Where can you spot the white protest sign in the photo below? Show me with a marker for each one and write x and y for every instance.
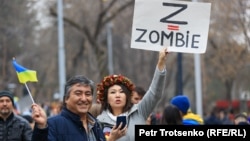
(182, 26)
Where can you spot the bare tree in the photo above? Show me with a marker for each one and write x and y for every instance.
(227, 52)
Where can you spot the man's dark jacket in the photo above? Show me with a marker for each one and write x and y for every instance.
(15, 128)
(66, 126)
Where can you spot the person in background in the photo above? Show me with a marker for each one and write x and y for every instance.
(136, 97)
(16, 106)
(241, 119)
(114, 92)
(151, 120)
(183, 104)
(224, 117)
(213, 118)
(192, 119)
(13, 127)
(137, 94)
(30, 120)
(171, 116)
(95, 109)
(74, 122)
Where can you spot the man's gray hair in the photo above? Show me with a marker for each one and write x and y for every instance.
(74, 80)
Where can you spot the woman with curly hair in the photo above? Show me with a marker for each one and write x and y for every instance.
(114, 92)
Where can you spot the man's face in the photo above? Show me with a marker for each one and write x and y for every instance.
(80, 99)
(135, 97)
(6, 106)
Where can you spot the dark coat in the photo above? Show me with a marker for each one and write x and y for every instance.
(15, 128)
(66, 126)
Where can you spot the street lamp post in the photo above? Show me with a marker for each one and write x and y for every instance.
(61, 54)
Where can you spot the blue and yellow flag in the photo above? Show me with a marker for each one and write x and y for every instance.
(24, 75)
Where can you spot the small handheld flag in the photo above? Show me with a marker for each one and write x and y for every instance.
(24, 75)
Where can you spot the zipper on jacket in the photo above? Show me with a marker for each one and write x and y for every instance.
(5, 132)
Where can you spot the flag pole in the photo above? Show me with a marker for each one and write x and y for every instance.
(29, 93)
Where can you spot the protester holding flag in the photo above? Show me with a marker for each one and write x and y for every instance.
(114, 93)
(12, 126)
(74, 123)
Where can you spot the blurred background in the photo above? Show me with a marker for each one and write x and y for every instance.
(96, 42)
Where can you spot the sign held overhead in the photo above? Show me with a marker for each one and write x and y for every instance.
(183, 26)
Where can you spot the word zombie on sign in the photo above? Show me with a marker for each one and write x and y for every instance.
(181, 25)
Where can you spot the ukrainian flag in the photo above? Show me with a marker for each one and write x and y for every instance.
(24, 75)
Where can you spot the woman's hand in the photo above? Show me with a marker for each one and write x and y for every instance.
(162, 59)
(117, 133)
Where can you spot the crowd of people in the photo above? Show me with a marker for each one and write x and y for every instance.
(80, 117)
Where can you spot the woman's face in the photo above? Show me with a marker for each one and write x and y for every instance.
(116, 97)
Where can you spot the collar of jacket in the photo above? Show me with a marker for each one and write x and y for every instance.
(74, 117)
(8, 118)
